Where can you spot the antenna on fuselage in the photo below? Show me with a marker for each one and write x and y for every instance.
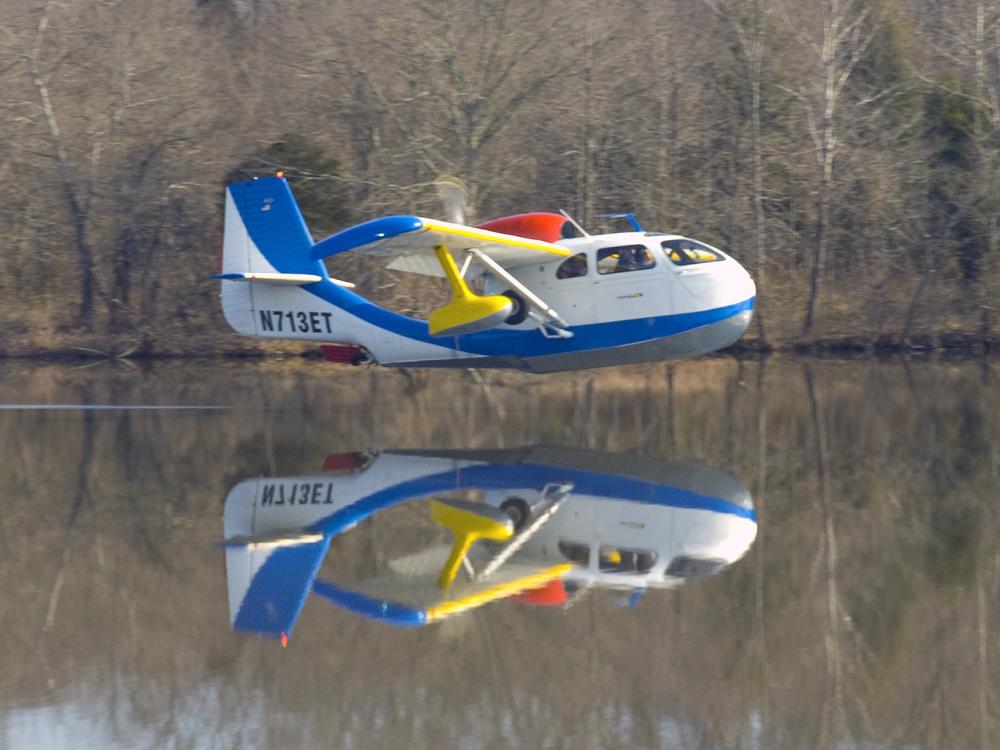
(628, 216)
(573, 221)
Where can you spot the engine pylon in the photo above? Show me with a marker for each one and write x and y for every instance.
(467, 311)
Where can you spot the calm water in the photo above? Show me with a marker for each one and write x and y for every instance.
(854, 601)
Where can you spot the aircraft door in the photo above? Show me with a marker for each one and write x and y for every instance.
(568, 287)
(628, 284)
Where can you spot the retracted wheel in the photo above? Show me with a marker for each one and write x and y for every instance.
(519, 313)
(518, 510)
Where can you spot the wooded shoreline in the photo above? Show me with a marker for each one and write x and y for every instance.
(846, 152)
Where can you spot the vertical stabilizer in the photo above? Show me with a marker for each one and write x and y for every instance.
(264, 233)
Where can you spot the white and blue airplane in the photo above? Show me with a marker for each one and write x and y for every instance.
(555, 521)
(549, 300)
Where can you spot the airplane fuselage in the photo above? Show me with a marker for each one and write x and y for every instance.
(652, 526)
(653, 310)
(639, 296)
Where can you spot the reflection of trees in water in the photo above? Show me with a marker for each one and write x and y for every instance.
(862, 614)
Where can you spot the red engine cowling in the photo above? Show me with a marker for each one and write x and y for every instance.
(534, 226)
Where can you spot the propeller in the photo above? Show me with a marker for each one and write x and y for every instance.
(454, 197)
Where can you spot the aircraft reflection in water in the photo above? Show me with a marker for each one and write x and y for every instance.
(550, 523)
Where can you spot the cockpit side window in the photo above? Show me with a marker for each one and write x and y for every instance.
(689, 252)
(684, 566)
(627, 258)
(573, 267)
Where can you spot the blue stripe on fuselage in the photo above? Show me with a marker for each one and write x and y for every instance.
(528, 343)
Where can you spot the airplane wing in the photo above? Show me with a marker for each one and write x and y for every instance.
(408, 243)
(412, 601)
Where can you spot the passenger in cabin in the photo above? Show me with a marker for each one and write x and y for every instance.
(621, 259)
(634, 258)
(573, 267)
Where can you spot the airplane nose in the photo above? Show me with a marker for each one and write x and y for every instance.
(719, 285)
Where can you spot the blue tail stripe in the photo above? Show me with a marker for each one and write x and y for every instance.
(275, 224)
(272, 602)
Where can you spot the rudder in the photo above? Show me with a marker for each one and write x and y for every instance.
(264, 233)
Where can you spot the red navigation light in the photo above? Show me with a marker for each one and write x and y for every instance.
(284, 640)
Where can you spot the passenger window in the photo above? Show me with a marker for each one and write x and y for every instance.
(618, 560)
(628, 258)
(573, 267)
(689, 252)
(577, 552)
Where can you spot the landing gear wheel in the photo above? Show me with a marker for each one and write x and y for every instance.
(519, 311)
(517, 510)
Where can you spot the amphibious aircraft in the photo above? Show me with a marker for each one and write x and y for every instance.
(544, 525)
(551, 296)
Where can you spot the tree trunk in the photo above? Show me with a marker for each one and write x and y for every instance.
(819, 249)
(758, 183)
(77, 213)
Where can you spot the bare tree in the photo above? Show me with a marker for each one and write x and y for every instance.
(847, 28)
(77, 194)
(749, 23)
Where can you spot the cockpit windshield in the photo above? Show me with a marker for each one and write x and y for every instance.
(683, 252)
(684, 566)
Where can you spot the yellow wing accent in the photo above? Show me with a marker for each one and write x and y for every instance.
(487, 237)
(414, 252)
(500, 591)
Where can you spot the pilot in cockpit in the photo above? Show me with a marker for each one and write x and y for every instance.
(573, 267)
(634, 259)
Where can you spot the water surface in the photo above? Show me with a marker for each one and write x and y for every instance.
(863, 615)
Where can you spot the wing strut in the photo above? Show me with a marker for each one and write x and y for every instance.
(530, 297)
(552, 497)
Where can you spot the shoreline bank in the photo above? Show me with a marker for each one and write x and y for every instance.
(952, 344)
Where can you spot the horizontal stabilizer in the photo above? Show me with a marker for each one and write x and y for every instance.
(290, 538)
(282, 279)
